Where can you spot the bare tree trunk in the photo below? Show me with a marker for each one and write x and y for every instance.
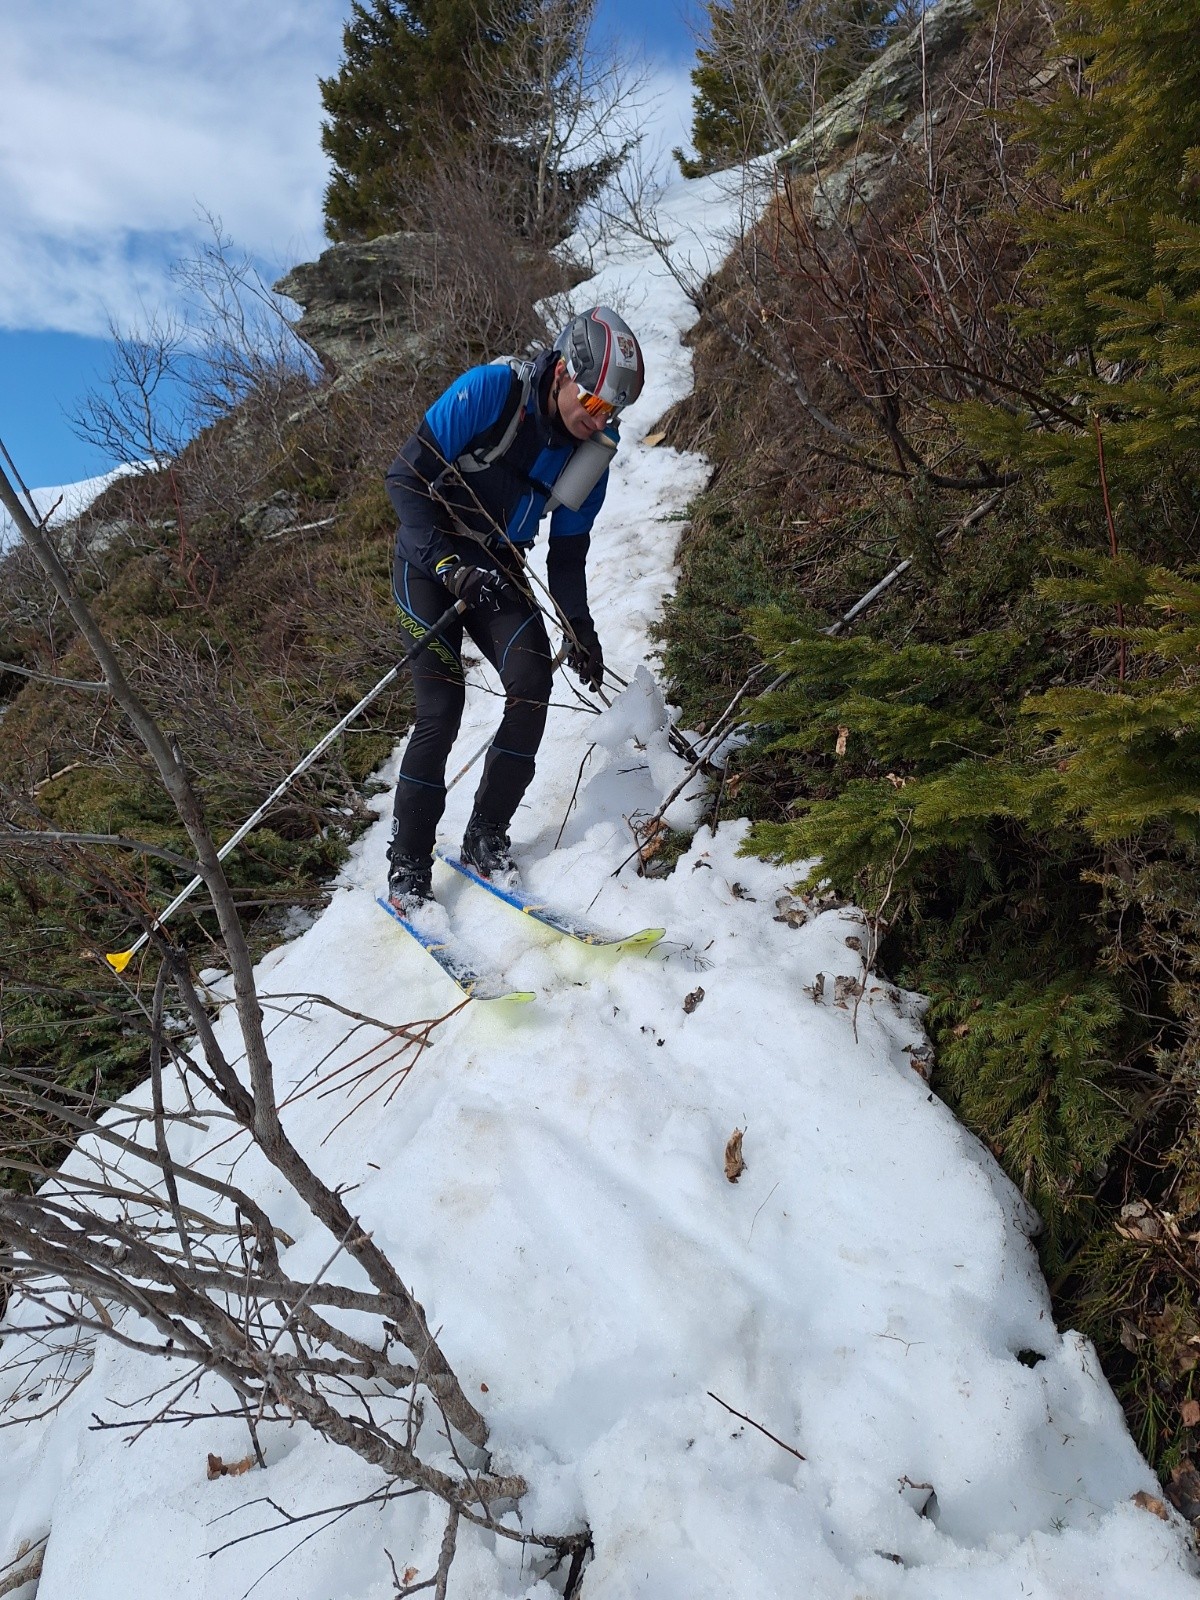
(258, 1109)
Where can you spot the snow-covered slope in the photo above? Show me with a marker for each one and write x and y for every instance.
(550, 1180)
(64, 502)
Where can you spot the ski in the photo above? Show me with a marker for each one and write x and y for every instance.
(475, 985)
(564, 922)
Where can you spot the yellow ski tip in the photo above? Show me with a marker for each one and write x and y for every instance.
(645, 940)
(119, 960)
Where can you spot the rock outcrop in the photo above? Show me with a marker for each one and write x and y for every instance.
(364, 299)
(886, 92)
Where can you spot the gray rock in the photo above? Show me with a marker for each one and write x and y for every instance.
(269, 517)
(100, 537)
(838, 193)
(885, 93)
(365, 299)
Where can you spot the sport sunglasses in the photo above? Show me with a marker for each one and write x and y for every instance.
(595, 406)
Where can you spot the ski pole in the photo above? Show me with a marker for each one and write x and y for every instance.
(118, 960)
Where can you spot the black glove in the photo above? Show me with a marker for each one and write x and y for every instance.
(480, 587)
(584, 655)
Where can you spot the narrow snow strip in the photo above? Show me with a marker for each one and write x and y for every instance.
(550, 1179)
(65, 502)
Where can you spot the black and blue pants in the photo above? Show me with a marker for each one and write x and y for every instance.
(514, 640)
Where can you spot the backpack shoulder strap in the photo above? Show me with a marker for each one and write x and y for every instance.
(490, 445)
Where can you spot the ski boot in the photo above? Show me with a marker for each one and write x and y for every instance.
(410, 883)
(485, 848)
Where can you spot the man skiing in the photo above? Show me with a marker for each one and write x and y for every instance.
(501, 447)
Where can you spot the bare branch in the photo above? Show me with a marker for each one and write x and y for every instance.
(48, 677)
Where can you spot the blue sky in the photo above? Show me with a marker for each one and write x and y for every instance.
(125, 123)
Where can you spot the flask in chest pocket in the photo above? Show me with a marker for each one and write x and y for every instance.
(583, 471)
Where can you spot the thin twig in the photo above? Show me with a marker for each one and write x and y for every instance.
(403, 1590)
(1112, 536)
(48, 677)
(415, 1032)
(160, 1132)
(959, 525)
(44, 836)
(774, 1438)
(571, 804)
(31, 1571)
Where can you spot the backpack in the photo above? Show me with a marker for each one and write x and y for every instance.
(494, 441)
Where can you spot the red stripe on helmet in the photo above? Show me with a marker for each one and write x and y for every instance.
(598, 386)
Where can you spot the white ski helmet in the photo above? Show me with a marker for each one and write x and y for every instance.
(601, 353)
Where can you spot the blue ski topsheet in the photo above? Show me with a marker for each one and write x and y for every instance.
(475, 985)
(565, 922)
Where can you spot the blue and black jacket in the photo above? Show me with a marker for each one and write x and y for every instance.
(498, 505)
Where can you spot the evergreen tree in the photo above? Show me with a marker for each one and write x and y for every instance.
(1117, 273)
(1024, 798)
(404, 85)
(767, 65)
(508, 86)
(1116, 269)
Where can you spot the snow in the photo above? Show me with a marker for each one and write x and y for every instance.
(550, 1180)
(65, 502)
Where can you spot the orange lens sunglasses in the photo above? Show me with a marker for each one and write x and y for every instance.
(595, 406)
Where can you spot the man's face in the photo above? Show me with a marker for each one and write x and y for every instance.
(578, 422)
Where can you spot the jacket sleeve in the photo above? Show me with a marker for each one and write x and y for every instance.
(566, 574)
(468, 407)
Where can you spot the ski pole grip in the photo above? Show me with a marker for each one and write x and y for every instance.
(434, 632)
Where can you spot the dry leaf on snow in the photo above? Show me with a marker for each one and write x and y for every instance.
(791, 911)
(845, 989)
(691, 1001)
(734, 1165)
(228, 1469)
(651, 837)
(920, 1059)
(1149, 1503)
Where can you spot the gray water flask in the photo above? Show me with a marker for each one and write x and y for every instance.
(583, 470)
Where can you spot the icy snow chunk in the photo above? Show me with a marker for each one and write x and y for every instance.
(635, 716)
(216, 985)
(639, 768)
(297, 920)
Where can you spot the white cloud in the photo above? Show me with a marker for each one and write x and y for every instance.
(121, 122)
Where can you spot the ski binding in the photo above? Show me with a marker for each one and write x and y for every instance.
(475, 985)
(565, 922)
